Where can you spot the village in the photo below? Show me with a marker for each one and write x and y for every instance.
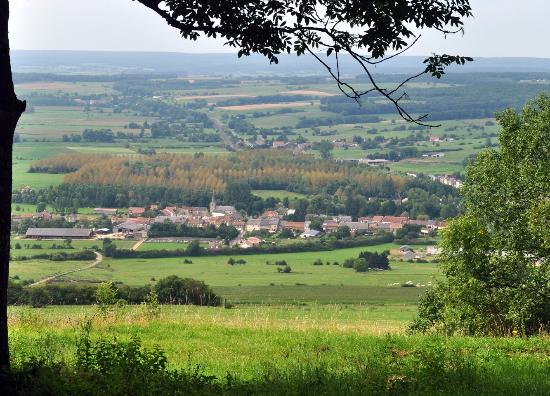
(143, 224)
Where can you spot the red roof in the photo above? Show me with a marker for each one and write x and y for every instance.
(136, 211)
(295, 225)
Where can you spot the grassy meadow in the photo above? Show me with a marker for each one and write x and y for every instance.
(296, 350)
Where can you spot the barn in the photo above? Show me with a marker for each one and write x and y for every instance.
(59, 233)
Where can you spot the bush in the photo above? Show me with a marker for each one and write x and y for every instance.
(285, 270)
(176, 290)
(360, 265)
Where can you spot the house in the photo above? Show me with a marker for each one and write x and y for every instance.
(106, 211)
(432, 250)
(429, 224)
(294, 225)
(168, 211)
(195, 222)
(238, 224)
(270, 224)
(356, 227)
(250, 242)
(44, 215)
(330, 226)
(278, 143)
(134, 211)
(434, 138)
(405, 248)
(253, 225)
(310, 234)
(171, 219)
(270, 213)
(59, 233)
(21, 217)
(341, 219)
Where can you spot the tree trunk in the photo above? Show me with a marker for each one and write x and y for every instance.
(10, 110)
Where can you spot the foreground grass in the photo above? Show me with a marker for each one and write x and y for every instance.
(295, 350)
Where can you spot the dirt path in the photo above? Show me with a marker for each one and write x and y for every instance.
(138, 244)
(98, 259)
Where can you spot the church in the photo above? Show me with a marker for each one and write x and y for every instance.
(219, 210)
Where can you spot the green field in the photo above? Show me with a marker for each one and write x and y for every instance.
(297, 350)
(257, 282)
(281, 194)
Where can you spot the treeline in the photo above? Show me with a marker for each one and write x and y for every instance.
(60, 256)
(194, 250)
(68, 197)
(65, 164)
(465, 101)
(144, 87)
(169, 290)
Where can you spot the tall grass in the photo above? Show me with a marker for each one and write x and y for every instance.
(287, 350)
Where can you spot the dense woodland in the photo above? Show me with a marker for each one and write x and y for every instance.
(332, 187)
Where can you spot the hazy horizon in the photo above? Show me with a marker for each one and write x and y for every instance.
(83, 26)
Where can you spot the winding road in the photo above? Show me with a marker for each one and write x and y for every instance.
(98, 259)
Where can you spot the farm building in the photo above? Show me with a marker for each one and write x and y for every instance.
(130, 228)
(59, 233)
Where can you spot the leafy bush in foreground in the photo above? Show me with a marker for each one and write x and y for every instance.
(495, 257)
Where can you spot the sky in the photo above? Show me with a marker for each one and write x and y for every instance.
(500, 28)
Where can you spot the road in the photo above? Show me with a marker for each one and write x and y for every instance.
(98, 259)
(224, 135)
(138, 244)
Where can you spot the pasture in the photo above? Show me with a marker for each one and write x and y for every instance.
(258, 281)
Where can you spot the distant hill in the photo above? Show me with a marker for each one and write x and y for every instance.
(224, 64)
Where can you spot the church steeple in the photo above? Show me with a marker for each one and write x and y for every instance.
(213, 202)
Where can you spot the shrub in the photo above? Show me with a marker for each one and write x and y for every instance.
(360, 265)
(106, 296)
(176, 290)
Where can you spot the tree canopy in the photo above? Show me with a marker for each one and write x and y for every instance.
(496, 257)
(370, 32)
